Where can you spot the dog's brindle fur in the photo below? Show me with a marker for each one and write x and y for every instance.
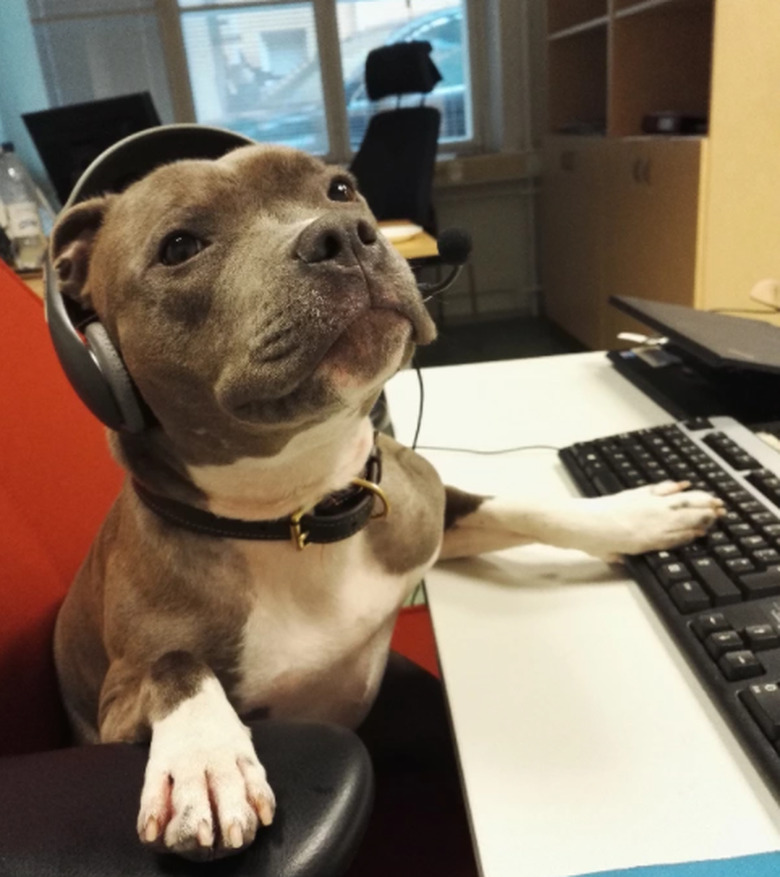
(260, 340)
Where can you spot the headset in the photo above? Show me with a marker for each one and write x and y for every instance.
(88, 357)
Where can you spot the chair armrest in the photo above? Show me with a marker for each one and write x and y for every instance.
(74, 811)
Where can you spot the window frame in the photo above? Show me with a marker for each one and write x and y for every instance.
(329, 48)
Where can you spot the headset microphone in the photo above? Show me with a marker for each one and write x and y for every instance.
(454, 248)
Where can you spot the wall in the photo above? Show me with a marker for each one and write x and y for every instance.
(22, 88)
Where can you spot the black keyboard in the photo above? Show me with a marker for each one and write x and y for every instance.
(719, 596)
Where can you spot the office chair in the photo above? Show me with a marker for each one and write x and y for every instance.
(395, 162)
(73, 810)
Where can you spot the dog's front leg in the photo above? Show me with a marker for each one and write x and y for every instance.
(646, 518)
(205, 792)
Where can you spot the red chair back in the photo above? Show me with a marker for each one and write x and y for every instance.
(57, 481)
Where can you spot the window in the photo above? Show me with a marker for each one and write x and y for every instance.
(256, 70)
(91, 49)
(366, 24)
(284, 72)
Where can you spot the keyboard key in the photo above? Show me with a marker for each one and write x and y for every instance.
(761, 518)
(738, 531)
(670, 573)
(763, 703)
(695, 424)
(715, 581)
(761, 584)
(736, 495)
(727, 551)
(659, 558)
(722, 641)
(711, 622)
(761, 636)
(752, 543)
(730, 451)
(766, 556)
(607, 482)
(739, 566)
(694, 549)
(767, 483)
(752, 507)
(740, 665)
(689, 597)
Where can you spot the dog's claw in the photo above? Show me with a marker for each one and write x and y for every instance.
(264, 810)
(235, 837)
(151, 830)
(205, 834)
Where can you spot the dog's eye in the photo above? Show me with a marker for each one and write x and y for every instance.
(341, 190)
(178, 247)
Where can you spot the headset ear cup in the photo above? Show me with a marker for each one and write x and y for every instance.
(116, 378)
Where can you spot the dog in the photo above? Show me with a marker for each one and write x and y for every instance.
(259, 311)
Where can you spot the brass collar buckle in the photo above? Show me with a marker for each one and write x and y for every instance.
(297, 534)
(377, 491)
(300, 537)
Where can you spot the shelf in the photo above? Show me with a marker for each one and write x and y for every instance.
(565, 14)
(577, 92)
(627, 8)
(611, 63)
(661, 62)
(577, 29)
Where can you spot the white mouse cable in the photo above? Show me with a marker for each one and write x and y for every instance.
(495, 452)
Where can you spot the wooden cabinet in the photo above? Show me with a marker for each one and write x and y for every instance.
(619, 217)
(692, 220)
(652, 193)
(573, 190)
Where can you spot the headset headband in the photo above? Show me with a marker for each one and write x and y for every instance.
(95, 368)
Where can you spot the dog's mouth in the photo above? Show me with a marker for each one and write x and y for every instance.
(299, 387)
(372, 344)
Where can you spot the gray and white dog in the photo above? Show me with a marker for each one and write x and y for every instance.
(259, 311)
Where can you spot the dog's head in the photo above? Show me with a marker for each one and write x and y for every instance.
(248, 295)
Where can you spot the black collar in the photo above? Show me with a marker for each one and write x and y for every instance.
(338, 516)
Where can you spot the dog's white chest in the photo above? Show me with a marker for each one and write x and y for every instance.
(316, 638)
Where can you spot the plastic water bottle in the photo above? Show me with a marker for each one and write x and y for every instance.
(20, 212)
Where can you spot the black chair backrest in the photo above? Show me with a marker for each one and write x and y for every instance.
(395, 163)
(401, 68)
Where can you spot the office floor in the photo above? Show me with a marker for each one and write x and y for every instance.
(505, 338)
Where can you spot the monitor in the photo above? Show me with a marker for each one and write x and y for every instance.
(69, 138)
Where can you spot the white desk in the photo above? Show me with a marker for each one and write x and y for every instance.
(585, 741)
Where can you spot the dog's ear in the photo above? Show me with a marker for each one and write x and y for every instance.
(72, 241)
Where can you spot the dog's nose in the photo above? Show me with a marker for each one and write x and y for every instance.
(342, 240)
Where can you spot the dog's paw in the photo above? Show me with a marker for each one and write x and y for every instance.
(654, 517)
(205, 792)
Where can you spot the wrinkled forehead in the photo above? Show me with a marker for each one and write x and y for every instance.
(268, 178)
(274, 168)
